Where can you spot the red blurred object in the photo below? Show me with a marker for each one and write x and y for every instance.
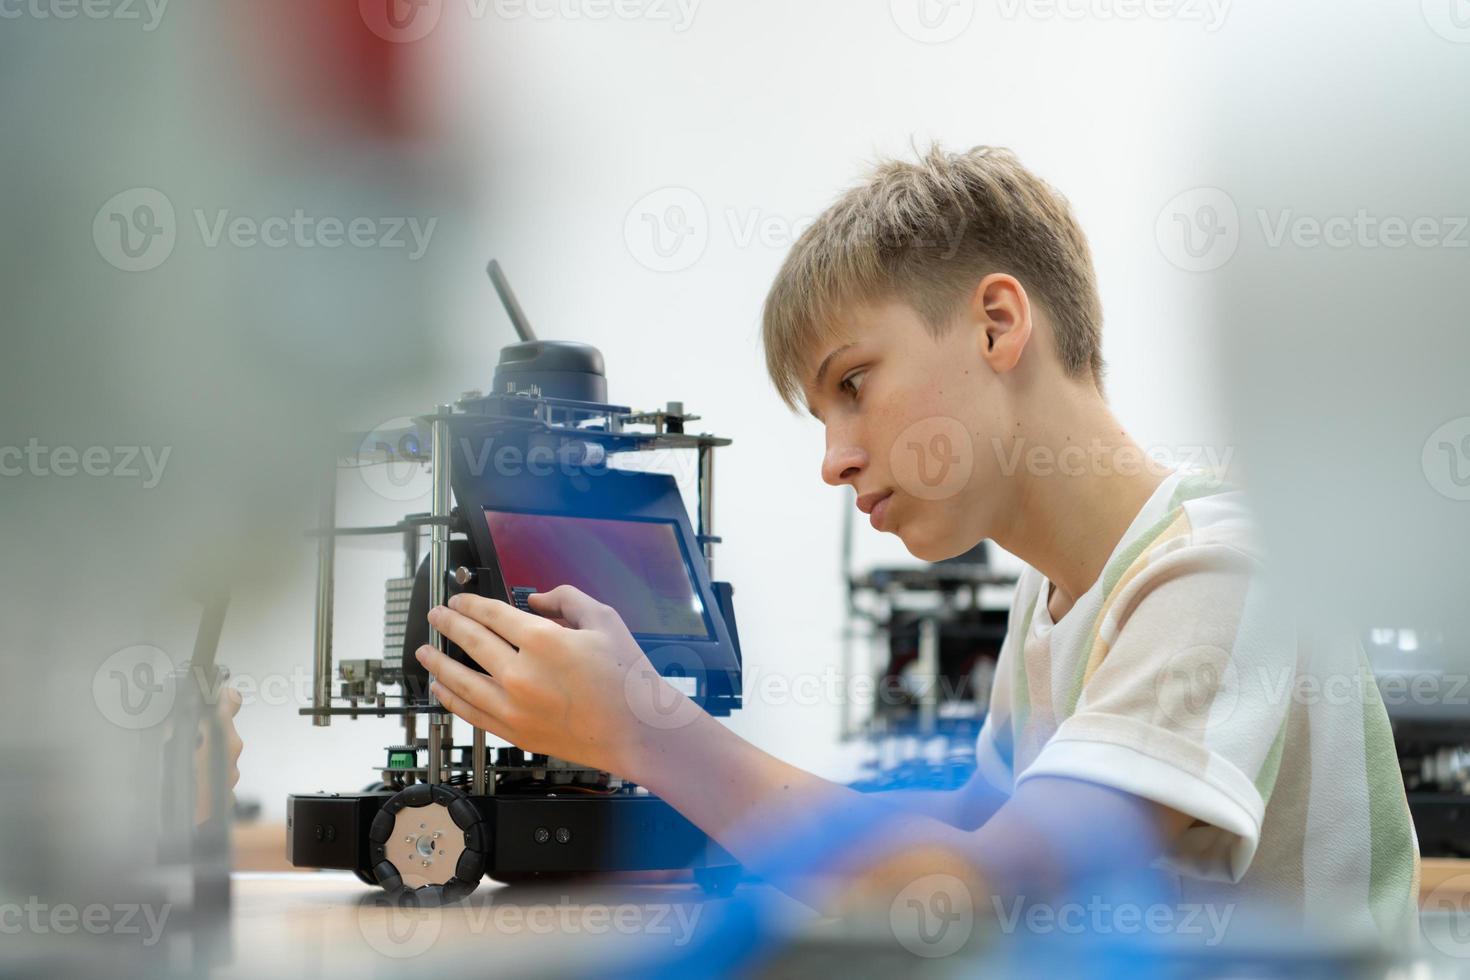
(325, 63)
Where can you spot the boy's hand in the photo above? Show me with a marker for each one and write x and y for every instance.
(574, 691)
(226, 707)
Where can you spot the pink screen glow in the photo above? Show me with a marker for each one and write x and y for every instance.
(636, 567)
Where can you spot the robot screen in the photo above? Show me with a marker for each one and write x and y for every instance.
(636, 566)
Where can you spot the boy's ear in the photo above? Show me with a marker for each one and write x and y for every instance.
(1001, 313)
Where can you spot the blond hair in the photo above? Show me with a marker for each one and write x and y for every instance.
(926, 233)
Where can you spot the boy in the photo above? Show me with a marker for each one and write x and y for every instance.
(1152, 708)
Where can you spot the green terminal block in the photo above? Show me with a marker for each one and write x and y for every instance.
(402, 760)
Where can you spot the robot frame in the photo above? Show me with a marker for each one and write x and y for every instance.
(443, 815)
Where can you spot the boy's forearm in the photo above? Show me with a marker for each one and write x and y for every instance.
(949, 806)
(753, 804)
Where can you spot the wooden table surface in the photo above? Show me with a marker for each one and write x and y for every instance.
(262, 847)
(290, 923)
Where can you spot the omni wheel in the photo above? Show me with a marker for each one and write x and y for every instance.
(428, 841)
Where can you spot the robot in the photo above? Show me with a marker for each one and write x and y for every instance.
(533, 485)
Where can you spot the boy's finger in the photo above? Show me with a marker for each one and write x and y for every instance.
(472, 686)
(501, 618)
(579, 609)
(461, 707)
(486, 646)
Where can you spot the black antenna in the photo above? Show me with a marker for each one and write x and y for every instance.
(508, 300)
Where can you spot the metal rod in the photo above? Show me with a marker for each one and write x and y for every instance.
(410, 569)
(411, 737)
(509, 301)
(436, 752)
(326, 554)
(928, 672)
(477, 759)
(707, 504)
(410, 551)
(439, 463)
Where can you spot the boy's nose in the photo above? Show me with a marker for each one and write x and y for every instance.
(842, 464)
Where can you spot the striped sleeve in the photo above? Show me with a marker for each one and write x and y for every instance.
(1184, 700)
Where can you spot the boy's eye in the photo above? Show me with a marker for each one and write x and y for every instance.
(853, 382)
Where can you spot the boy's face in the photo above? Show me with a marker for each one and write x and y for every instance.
(909, 421)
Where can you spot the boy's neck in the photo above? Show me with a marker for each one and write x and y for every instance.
(1066, 525)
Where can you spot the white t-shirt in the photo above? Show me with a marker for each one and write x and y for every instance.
(1175, 679)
